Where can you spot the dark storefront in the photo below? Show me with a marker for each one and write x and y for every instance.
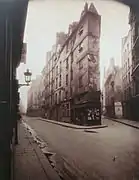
(87, 113)
(135, 108)
(127, 109)
(86, 108)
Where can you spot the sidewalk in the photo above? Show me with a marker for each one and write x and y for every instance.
(127, 122)
(73, 126)
(30, 162)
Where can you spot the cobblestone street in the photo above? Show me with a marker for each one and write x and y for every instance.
(107, 153)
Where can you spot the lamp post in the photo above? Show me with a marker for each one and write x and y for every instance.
(27, 75)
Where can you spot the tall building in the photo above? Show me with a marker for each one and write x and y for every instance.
(72, 78)
(113, 91)
(127, 75)
(134, 23)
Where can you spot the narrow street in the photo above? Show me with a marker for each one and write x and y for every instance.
(107, 153)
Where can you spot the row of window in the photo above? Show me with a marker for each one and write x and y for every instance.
(80, 49)
(67, 80)
(72, 41)
(67, 67)
(66, 93)
(58, 96)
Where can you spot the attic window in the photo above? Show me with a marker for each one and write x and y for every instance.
(81, 30)
(80, 48)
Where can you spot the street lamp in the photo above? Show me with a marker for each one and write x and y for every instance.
(27, 75)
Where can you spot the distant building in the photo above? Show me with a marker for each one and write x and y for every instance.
(35, 97)
(113, 91)
(72, 74)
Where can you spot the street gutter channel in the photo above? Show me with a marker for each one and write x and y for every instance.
(44, 148)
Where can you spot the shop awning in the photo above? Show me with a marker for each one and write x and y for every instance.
(87, 105)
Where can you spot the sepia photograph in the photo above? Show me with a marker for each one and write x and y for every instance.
(69, 90)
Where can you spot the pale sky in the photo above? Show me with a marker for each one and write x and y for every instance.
(46, 17)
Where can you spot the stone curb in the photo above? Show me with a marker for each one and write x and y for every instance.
(73, 127)
(49, 171)
(134, 126)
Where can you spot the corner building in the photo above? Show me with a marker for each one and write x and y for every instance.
(72, 78)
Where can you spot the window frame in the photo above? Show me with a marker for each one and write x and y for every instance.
(80, 30)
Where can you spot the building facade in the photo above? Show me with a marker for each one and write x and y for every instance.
(113, 91)
(134, 24)
(127, 76)
(72, 75)
(35, 97)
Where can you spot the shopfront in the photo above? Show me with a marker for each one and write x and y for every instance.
(87, 113)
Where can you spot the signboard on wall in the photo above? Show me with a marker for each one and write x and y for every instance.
(24, 53)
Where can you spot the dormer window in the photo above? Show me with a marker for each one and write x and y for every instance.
(80, 47)
(81, 30)
(91, 58)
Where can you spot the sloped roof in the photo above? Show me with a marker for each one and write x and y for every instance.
(92, 8)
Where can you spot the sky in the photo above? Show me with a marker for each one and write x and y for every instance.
(46, 17)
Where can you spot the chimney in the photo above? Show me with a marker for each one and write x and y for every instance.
(60, 38)
(48, 56)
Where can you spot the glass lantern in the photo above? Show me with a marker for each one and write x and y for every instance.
(27, 75)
